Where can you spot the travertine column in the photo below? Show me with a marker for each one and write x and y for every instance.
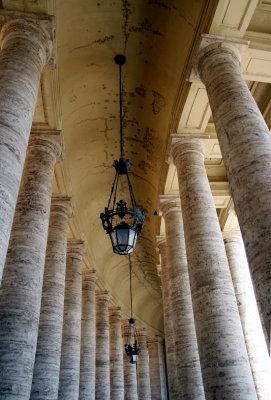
(47, 361)
(245, 143)
(116, 356)
(26, 47)
(143, 369)
(224, 362)
(70, 351)
(162, 364)
(154, 363)
(168, 319)
(102, 385)
(240, 277)
(88, 337)
(129, 370)
(21, 291)
(189, 380)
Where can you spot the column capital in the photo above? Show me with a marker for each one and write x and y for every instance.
(89, 279)
(36, 27)
(76, 247)
(62, 205)
(115, 313)
(152, 339)
(102, 295)
(160, 339)
(51, 138)
(168, 203)
(235, 47)
(181, 143)
(161, 244)
(232, 236)
(90, 276)
(142, 332)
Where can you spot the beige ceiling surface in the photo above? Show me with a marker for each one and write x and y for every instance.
(156, 38)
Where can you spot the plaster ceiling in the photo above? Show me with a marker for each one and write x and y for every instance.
(156, 38)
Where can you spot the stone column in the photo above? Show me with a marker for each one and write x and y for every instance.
(116, 356)
(154, 363)
(240, 277)
(143, 369)
(20, 295)
(88, 337)
(26, 47)
(245, 143)
(168, 319)
(102, 386)
(189, 380)
(162, 363)
(70, 351)
(224, 362)
(129, 370)
(47, 361)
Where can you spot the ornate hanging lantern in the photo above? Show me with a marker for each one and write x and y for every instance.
(132, 346)
(122, 223)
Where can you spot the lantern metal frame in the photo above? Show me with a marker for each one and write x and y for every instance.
(125, 228)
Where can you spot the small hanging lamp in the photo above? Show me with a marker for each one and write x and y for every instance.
(122, 223)
(132, 346)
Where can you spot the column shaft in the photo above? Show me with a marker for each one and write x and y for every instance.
(47, 361)
(70, 351)
(102, 386)
(143, 369)
(116, 356)
(168, 321)
(189, 380)
(245, 143)
(225, 368)
(26, 46)
(163, 379)
(88, 337)
(251, 326)
(129, 370)
(20, 295)
(154, 363)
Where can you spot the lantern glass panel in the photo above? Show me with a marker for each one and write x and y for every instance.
(134, 358)
(123, 239)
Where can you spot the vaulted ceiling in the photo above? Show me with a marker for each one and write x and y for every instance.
(80, 97)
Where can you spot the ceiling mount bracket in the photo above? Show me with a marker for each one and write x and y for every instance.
(120, 59)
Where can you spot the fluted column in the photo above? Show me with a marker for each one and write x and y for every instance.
(116, 356)
(26, 47)
(20, 295)
(245, 143)
(143, 369)
(70, 351)
(252, 330)
(154, 363)
(189, 380)
(168, 319)
(88, 337)
(102, 385)
(224, 362)
(162, 361)
(129, 370)
(47, 361)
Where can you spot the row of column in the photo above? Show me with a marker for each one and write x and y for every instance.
(48, 325)
(204, 323)
(194, 242)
